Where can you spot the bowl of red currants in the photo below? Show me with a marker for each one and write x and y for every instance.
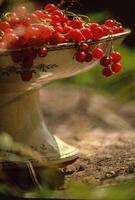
(57, 42)
(44, 45)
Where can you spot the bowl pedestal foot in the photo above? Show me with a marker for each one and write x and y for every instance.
(21, 117)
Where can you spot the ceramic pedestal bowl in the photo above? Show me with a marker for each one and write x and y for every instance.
(20, 114)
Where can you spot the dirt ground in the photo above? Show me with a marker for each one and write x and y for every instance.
(102, 129)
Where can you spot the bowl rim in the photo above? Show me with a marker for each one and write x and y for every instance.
(70, 45)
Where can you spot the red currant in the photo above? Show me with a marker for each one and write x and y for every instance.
(97, 53)
(97, 32)
(105, 61)
(75, 35)
(116, 67)
(4, 25)
(88, 57)
(107, 72)
(106, 30)
(80, 56)
(93, 26)
(87, 33)
(55, 19)
(84, 47)
(26, 75)
(116, 57)
(42, 52)
(76, 24)
(110, 23)
(50, 8)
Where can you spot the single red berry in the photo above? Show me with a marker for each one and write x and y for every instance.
(44, 34)
(105, 61)
(106, 30)
(84, 47)
(9, 30)
(110, 23)
(97, 53)
(42, 52)
(93, 26)
(116, 67)
(116, 57)
(13, 20)
(76, 24)
(11, 40)
(57, 12)
(75, 35)
(80, 56)
(60, 38)
(59, 28)
(97, 32)
(115, 29)
(55, 19)
(50, 8)
(121, 29)
(88, 57)
(107, 72)
(87, 33)
(4, 25)
(26, 75)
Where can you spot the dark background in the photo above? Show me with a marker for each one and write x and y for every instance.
(123, 11)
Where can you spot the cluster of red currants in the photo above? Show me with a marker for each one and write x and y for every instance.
(111, 64)
(23, 30)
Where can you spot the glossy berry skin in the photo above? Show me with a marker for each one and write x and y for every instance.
(84, 47)
(26, 75)
(116, 57)
(97, 32)
(106, 30)
(42, 52)
(80, 56)
(97, 53)
(88, 57)
(4, 25)
(107, 72)
(50, 8)
(76, 24)
(110, 23)
(93, 26)
(105, 61)
(87, 33)
(75, 35)
(116, 68)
